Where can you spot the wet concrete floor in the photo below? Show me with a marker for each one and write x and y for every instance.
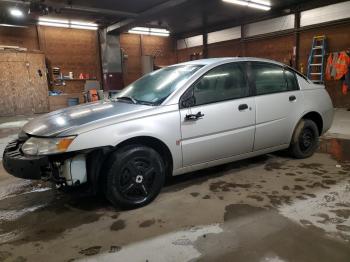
(269, 208)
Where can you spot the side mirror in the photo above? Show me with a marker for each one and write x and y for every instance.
(188, 99)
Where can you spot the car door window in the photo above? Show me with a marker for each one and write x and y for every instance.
(224, 82)
(291, 80)
(268, 78)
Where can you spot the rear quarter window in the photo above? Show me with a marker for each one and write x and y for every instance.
(291, 79)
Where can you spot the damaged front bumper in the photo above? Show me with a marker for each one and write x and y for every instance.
(19, 165)
(64, 169)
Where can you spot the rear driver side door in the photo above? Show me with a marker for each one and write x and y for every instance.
(223, 116)
(279, 104)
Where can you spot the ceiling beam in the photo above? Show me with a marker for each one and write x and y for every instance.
(78, 8)
(128, 23)
(99, 11)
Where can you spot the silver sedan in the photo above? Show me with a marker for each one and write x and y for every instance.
(178, 119)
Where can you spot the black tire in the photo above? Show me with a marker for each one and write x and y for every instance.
(135, 174)
(305, 139)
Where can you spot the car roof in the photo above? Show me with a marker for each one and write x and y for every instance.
(210, 61)
(222, 60)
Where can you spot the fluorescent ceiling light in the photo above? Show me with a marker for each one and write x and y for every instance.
(145, 29)
(8, 25)
(149, 31)
(83, 23)
(159, 34)
(16, 12)
(262, 2)
(67, 23)
(53, 24)
(138, 32)
(84, 27)
(159, 30)
(259, 4)
(50, 20)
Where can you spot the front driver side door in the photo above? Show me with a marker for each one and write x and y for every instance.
(221, 122)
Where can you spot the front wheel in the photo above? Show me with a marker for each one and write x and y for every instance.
(305, 139)
(135, 176)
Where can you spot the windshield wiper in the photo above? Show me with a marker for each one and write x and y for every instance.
(145, 103)
(134, 101)
(127, 98)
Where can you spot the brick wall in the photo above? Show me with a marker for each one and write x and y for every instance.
(70, 49)
(134, 46)
(17, 36)
(338, 39)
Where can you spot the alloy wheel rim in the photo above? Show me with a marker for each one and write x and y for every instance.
(306, 140)
(137, 179)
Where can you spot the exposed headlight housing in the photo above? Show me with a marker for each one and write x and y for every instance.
(46, 146)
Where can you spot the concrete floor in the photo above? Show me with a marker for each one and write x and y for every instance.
(269, 208)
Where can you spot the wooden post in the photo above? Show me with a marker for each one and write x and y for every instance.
(297, 39)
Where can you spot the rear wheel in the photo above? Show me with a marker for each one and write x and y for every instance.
(135, 176)
(305, 139)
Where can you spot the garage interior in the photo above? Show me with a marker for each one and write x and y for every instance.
(55, 54)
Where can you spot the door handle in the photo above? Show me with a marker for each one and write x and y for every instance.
(292, 98)
(242, 107)
(194, 117)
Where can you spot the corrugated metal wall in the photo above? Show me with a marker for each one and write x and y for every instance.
(325, 14)
(224, 35)
(190, 42)
(269, 26)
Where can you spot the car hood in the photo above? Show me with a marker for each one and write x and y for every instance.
(70, 120)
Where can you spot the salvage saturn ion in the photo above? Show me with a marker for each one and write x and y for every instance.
(177, 119)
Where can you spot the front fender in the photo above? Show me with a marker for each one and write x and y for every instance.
(164, 127)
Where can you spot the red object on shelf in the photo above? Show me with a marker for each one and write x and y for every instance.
(87, 76)
(81, 76)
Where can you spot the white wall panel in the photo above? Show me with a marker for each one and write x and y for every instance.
(190, 42)
(269, 26)
(325, 14)
(224, 35)
(181, 44)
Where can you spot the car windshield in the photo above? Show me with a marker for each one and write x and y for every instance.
(155, 87)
